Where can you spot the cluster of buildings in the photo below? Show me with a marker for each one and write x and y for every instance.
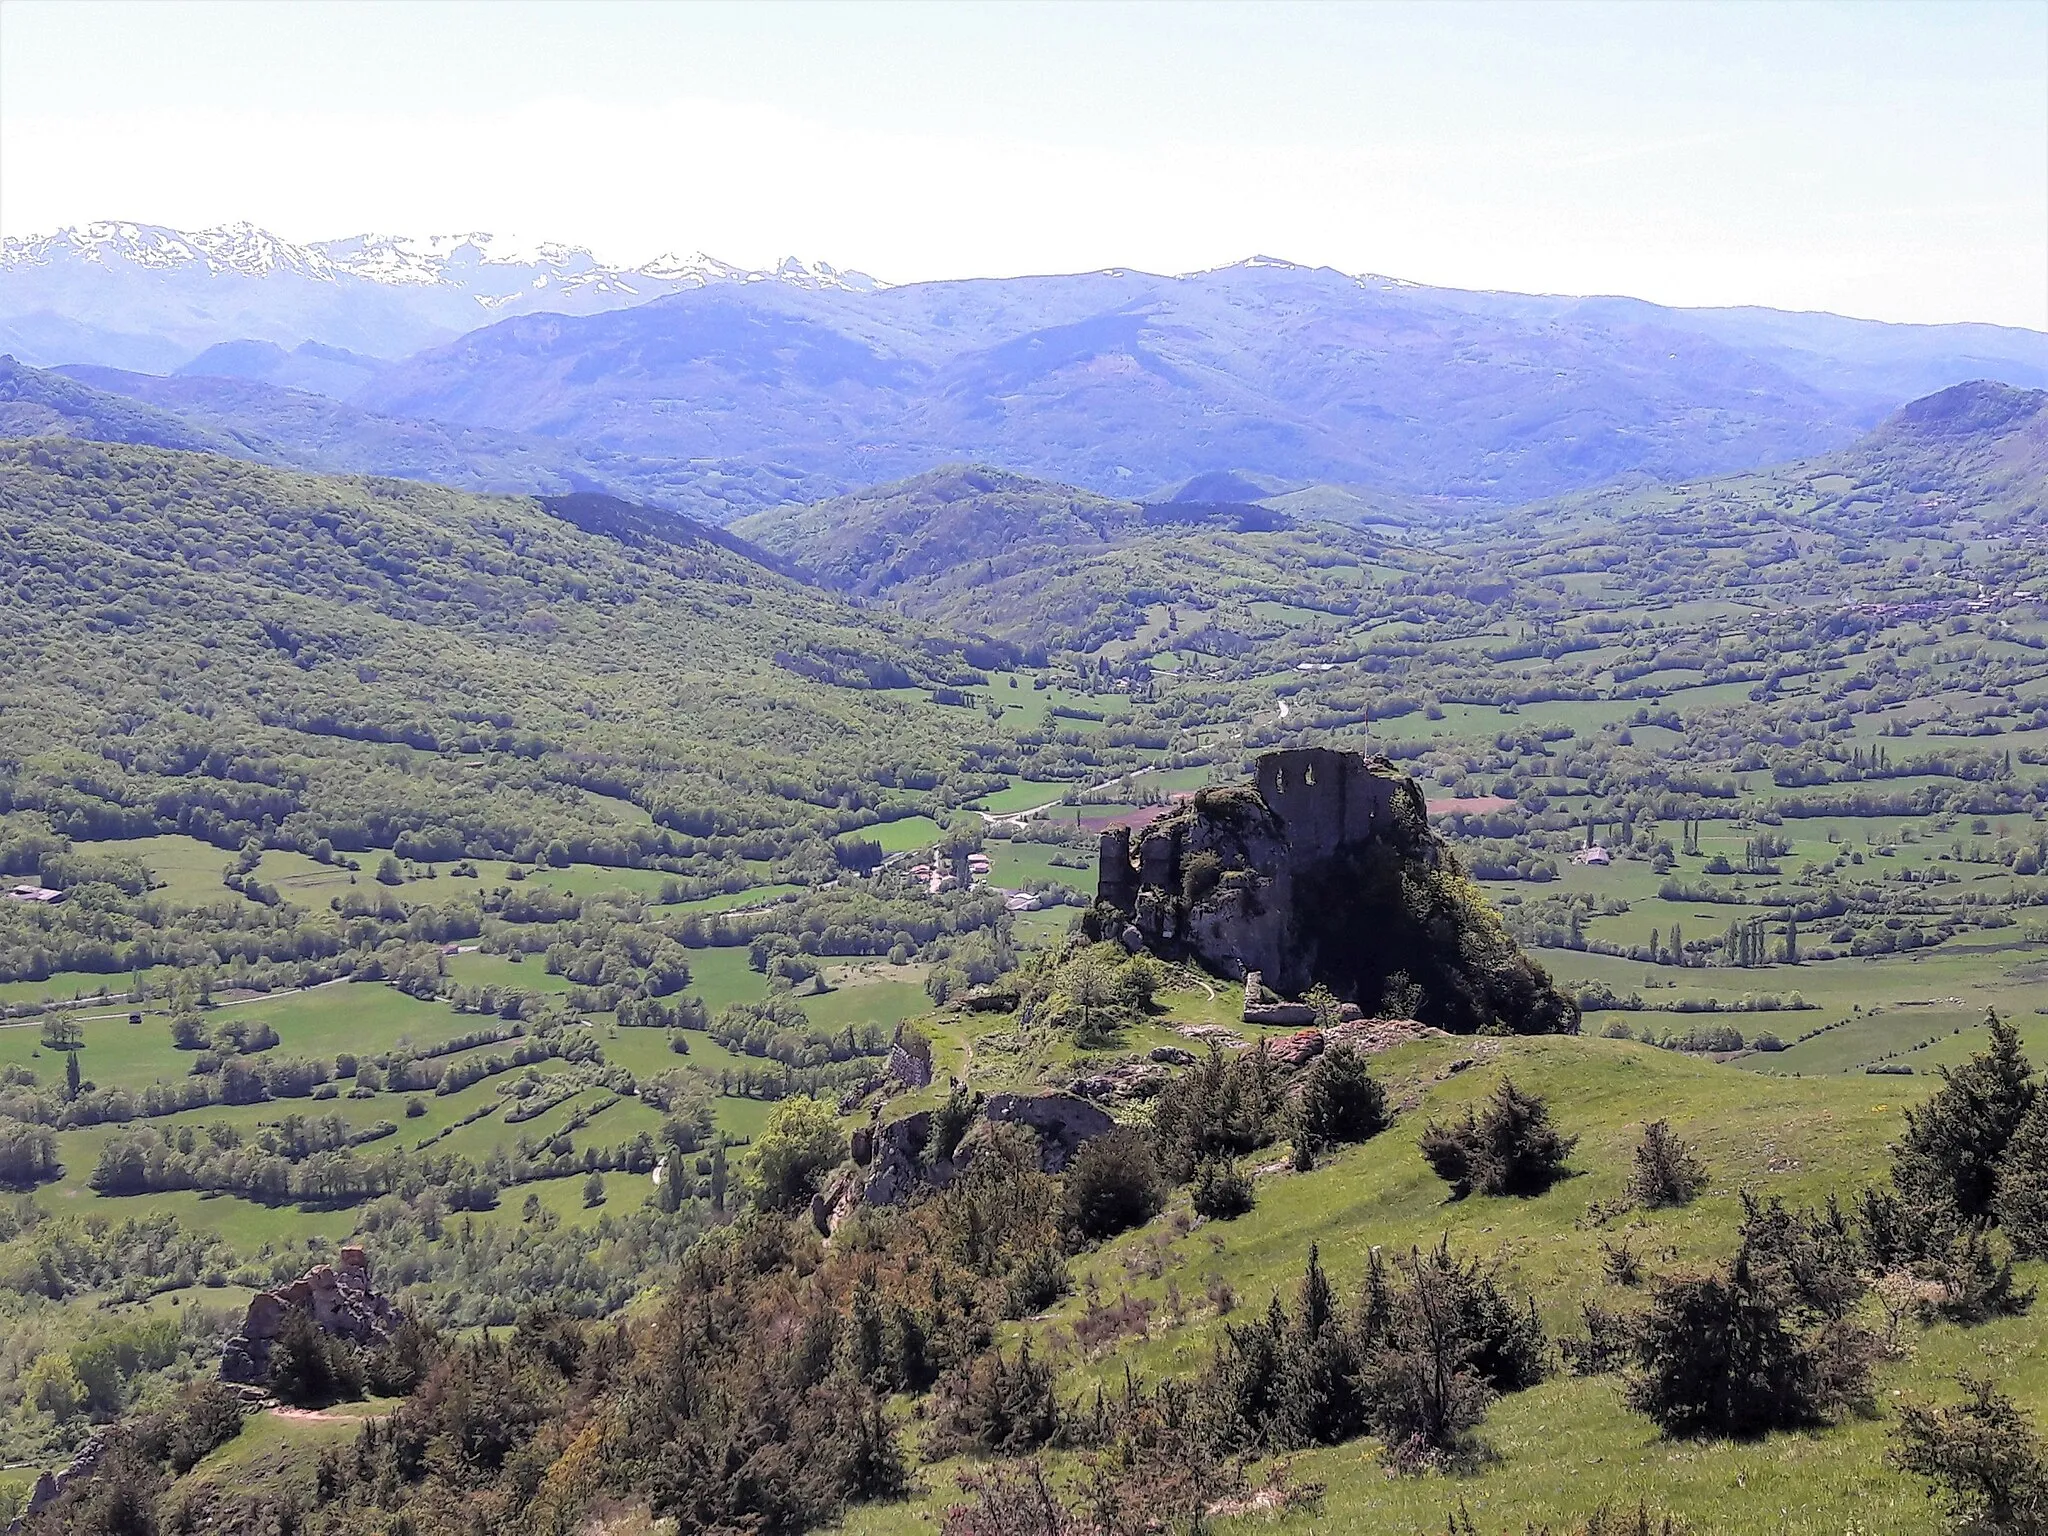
(953, 874)
(964, 871)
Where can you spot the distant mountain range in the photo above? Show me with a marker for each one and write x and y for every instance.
(140, 296)
(300, 430)
(1029, 561)
(694, 384)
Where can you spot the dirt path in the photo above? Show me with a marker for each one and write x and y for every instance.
(322, 1416)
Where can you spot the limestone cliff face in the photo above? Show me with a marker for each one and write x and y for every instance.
(1325, 870)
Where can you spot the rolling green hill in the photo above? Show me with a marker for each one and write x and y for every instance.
(191, 637)
(297, 429)
(1055, 568)
(935, 524)
(34, 403)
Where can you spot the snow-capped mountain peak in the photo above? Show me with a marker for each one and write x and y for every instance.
(493, 268)
(816, 274)
(693, 270)
(147, 295)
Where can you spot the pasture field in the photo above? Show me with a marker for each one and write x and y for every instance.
(75, 986)
(726, 901)
(182, 869)
(1014, 864)
(1023, 794)
(906, 835)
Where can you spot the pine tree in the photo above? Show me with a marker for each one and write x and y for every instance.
(1512, 1150)
(1318, 1398)
(1947, 1162)
(2021, 1201)
(71, 1078)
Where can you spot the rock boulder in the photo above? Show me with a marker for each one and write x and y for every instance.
(897, 1158)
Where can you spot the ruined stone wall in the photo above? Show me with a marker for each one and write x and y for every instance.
(1116, 881)
(1326, 799)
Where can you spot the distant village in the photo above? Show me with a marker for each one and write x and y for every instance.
(963, 871)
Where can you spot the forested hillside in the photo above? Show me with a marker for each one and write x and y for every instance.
(213, 647)
(290, 428)
(38, 404)
(1043, 564)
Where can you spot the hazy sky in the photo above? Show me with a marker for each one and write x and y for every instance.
(1876, 159)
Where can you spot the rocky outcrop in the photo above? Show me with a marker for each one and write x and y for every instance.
(1127, 1080)
(50, 1484)
(1371, 1036)
(1323, 871)
(1296, 1050)
(337, 1296)
(1062, 1123)
(836, 1200)
(896, 1162)
(898, 1159)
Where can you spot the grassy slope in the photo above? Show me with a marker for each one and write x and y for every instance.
(1568, 1445)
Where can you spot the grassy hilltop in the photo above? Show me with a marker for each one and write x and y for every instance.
(1568, 1445)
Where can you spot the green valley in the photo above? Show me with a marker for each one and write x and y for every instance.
(587, 915)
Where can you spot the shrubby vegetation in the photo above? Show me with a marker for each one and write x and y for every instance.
(1771, 1343)
(1511, 1149)
(1090, 992)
